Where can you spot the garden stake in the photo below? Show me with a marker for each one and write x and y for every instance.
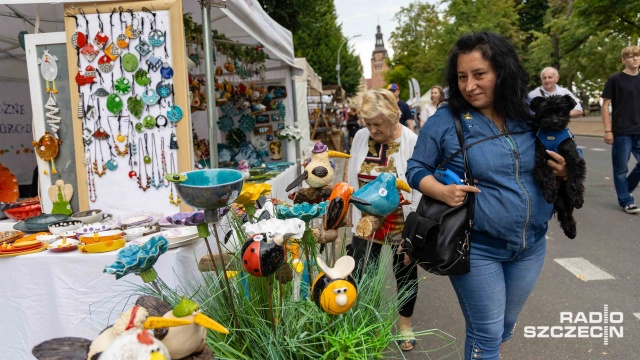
(273, 325)
(366, 255)
(226, 278)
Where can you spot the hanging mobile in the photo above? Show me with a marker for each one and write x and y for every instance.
(172, 175)
(155, 164)
(147, 158)
(52, 118)
(165, 182)
(144, 188)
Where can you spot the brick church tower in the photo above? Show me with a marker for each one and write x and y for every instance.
(378, 63)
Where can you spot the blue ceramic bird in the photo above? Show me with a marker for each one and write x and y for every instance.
(381, 193)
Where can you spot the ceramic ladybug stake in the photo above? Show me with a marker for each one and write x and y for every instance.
(334, 289)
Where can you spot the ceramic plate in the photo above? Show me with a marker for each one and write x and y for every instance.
(42, 222)
(91, 228)
(135, 220)
(48, 238)
(179, 234)
(182, 242)
(41, 248)
(69, 245)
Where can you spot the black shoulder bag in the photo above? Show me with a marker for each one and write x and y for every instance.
(436, 235)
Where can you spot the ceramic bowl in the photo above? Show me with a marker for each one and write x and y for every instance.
(102, 236)
(210, 188)
(135, 233)
(64, 226)
(46, 238)
(63, 245)
(89, 229)
(39, 223)
(90, 216)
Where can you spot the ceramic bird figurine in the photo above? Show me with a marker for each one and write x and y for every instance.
(338, 208)
(334, 289)
(136, 344)
(319, 171)
(61, 194)
(382, 195)
(49, 69)
(47, 149)
(189, 339)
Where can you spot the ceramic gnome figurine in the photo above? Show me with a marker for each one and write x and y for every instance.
(317, 174)
(383, 197)
(334, 289)
(61, 194)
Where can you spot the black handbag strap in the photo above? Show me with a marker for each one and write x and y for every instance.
(468, 175)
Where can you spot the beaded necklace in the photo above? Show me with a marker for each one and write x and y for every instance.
(140, 162)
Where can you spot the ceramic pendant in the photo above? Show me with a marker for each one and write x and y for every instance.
(105, 64)
(100, 40)
(112, 51)
(123, 41)
(100, 134)
(139, 128)
(114, 104)
(101, 92)
(275, 150)
(89, 52)
(149, 122)
(112, 164)
(156, 37)
(87, 77)
(90, 113)
(78, 40)
(166, 71)
(174, 113)
(153, 63)
(81, 108)
(147, 159)
(129, 62)
(150, 97)
(173, 142)
(87, 137)
(142, 77)
(49, 69)
(218, 71)
(132, 174)
(121, 138)
(135, 106)
(163, 89)
(133, 31)
(161, 121)
(143, 48)
(122, 85)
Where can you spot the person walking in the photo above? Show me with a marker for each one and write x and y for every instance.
(549, 77)
(487, 92)
(406, 116)
(622, 131)
(437, 97)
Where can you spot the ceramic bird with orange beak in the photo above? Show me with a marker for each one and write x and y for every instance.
(382, 195)
(319, 171)
(338, 208)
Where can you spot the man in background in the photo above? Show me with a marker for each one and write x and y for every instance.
(623, 129)
(406, 116)
(549, 78)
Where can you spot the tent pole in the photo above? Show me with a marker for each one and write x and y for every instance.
(295, 121)
(212, 114)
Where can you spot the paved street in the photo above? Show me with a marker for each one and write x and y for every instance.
(607, 240)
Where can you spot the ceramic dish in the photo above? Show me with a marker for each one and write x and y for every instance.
(65, 226)
(46, 238)
(39, 223)
(90, 216)
(42, 247)
(179, 234)
(68, 234)
(10, 236)
(64, 245)
(182, 243)
(92, 228)
(100, 236)
(101, 247)
(135, 220)
(23, 212)
(136, 233)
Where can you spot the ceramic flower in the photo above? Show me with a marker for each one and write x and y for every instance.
(304, 211)
(252, 192)
(290, 228)
(187, 218)
(139, 259)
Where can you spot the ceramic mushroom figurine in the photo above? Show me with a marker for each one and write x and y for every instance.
(47, 149)
(334, 289)
(61, 194)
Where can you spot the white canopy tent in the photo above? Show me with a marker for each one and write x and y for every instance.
(307, 84)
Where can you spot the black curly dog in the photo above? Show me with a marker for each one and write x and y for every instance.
(552, 117)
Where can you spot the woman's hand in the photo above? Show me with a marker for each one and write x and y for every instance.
(454, 195)
(557, 163)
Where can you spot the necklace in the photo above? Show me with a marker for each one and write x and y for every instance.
(148, 185)
(120, 138)
(95, 162)
(147, 158)
(155, 183)
(165, 182)
(173, 171)
(91, 181)
(503, 128)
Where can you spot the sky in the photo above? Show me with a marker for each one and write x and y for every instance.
(361, 17)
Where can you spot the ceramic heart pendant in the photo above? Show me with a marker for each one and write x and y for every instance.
(123, 41)
(135, 106)
(166, 71)
(174, 113)
(150, 97)
(114, 104)
(78, 40)
(105, 64)
(142, 77)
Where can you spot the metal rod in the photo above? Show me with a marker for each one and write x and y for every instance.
(21, 15)
(226, 278)
(295, 123)
(271, 315)
(13, 15)
(366, 254)
(222, 41)
(212, 114)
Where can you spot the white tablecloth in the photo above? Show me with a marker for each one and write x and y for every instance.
(48, 295)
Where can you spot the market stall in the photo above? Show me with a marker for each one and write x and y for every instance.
(307, 84)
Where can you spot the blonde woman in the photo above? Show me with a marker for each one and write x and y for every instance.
(384, 145)
(437, 97)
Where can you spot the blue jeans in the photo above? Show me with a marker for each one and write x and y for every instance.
(625, 182)
(493, 293)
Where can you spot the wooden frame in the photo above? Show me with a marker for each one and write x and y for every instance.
(183, 128)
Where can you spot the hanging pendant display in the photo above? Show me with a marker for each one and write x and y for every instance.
(129, 62)
(174, 113)
(89, 52)
(153, 63)
(114, 104)
(156, 37)
(122, 41)
(166, 71)
(122, 85)
(142, 77)
(149, 122)
(143, 47)
(112, 164)
(173, 142)
(135, 106)
(163, 89)
(105, 64)
(150, 97)
(78, 40)
(112, 51)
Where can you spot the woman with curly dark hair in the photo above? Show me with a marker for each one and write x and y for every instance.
(488, 92)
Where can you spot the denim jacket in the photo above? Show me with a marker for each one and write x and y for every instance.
(510, 211)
